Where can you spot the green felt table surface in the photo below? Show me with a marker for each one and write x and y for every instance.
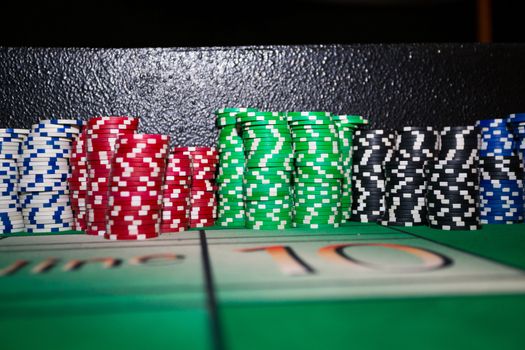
(254, 305)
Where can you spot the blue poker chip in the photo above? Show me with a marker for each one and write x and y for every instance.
(497, 122)
(44, 139)
(50, 162)
(9, 178)
(40, 152)
(47, 195)
(77, 122)
(42, 188)
(37, 128)
(516, 118)
(10, 156)
(55, 134)
(57, 208)
(7, 163)
(34, 148)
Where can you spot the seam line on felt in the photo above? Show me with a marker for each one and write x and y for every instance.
(211, 299)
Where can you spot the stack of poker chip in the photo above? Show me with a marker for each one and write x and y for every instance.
(453, 181)
(135, 187)
(11, 220)
(102, 135)
(501, 172)
(203, 198)
(346, 126)
(44, 171)
(372, 149)
(318, 170)
(269, 164)
(405, 180)
(231, 212)
(517, 124)
(78, 181)
(176, 194)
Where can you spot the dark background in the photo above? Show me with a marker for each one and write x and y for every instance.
(307, 55)
(194, 23)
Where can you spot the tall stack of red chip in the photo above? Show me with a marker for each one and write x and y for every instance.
(135, 192)
(176, 196)
(102, 135)
(78, 181)
(203, 200)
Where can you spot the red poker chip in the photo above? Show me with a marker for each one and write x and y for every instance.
(174, 217)
(146, 138)
(139, 161)
(109, 131)
(202, 196)
(130, 230)
(173, 174)
(141, 146)
(121, 237)
(176, 222)
(142, 155)
(199, 224)
(130, 238)
(139, 212)
(172, 202)
(175, 196)
(178, 183)
(203, 183)
(103, 128)
(120, 119)
(96, 216)
(138, 175)
(132, 203)
(133, 215)
(175, 206)
(203, 199)
(182, 208)
(201, 205)
(99, 150)
(136, 186)
(143, 170)
(179, 161)
(118, 169)
(134, 222)
(135, 182)
(204, 177)
(203, 210)
(205, 189)
(177, 177)
(177, 189)
(146, 195)
(178, 172)
(172, 230)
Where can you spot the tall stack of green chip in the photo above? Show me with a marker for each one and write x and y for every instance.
(318, 170)
(269, 164)
(346, 124)
(230, 204)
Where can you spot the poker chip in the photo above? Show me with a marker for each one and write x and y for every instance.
(372, 149)
(200, 201)
(266, 168)
(501, 174)
(44, 167)
(11, 219)
(322, 174)
(452, 194)
(405, 179)
(143, 188)
(101, 137)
